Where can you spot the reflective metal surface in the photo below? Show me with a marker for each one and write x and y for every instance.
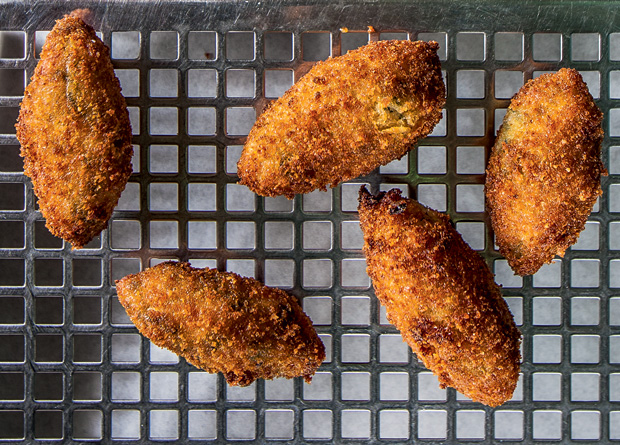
(195, 75)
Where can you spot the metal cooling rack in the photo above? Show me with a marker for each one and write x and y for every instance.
(195, 74)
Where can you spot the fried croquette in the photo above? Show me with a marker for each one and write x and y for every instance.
(343, 119)
(222, 322)
(441, 296)
(75, 133)
(544, 173)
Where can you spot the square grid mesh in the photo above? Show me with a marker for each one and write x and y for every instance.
(196, 75)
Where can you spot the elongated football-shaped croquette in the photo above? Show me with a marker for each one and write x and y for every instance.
(441, 296)
(343, 119)
(75, 133)
(222, 322)
(544, 173)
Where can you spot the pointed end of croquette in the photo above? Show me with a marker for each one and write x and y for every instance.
(433, 45)
(392, 198)
(395, 204)
(367, 199)
(86, 15)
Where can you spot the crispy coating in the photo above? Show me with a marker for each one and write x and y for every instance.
(441, 295)
(343, 119)
(75, 133)
(544, 173)
(221, 322)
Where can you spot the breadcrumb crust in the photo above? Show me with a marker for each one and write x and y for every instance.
(222, 322)
(343, 119)
(544, 173)
(75, 133)
(441, 296)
